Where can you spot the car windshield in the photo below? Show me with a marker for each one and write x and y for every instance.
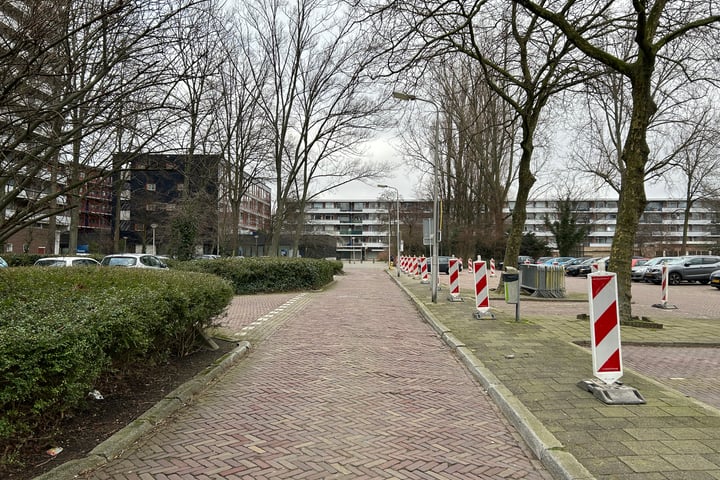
(589, 261)
(121, 261)
(671, 261)
(50, 262)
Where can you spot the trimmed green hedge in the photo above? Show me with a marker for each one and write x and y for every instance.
(268, 274)
(61, 328)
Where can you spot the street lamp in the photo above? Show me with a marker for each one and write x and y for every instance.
(352, 249)
(397, 222)
(434, 260)
(153, 226)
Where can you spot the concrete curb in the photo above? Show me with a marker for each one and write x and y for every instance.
(124, 438)
(546, 447)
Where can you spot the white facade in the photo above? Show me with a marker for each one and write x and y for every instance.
(361, 226)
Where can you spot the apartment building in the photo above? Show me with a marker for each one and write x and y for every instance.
(361, 227)
(660, 231)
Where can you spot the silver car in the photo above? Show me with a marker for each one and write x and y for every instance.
(67, 262)
(132, 260)
(638, 271)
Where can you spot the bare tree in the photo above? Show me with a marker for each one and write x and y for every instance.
(524, 62)
(317, 100)
(601, 30)
(243, 135)
(81, 68)
(698, 164)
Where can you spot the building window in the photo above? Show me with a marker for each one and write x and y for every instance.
(150, 187)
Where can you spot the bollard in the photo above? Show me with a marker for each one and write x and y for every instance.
(664, 289)
(453, 270)
(424, 270)
(605, 343)
(492, 267)
(482, 298)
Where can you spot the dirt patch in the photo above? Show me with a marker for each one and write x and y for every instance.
(125, 398)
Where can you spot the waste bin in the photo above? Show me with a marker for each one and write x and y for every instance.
(511, 280)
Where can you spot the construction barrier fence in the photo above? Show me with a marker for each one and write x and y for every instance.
(545, 281)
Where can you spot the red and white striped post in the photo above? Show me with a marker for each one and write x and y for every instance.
(424, 270)
(453, 270)
(665, 287)
(665, 278)
(482, 298)
(415, 267)
(605, 327)
(492, 267)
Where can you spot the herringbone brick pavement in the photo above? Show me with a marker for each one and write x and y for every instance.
(353, 385)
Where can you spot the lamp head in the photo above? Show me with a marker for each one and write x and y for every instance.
(404, 96)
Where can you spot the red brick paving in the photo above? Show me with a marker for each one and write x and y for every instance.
(354, 385)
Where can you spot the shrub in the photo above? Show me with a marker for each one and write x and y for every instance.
(269, 274)
(61, 328)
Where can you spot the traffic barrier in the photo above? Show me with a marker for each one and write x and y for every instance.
(453, 271)
(424, 270)
(605, 343)
(605, 327)
(482, 297)
(415, 267)
(546, 281)
(492, 267)
(665, 287)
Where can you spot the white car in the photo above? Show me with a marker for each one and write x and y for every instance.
(3, 263)
(67, 262)
(132, 260)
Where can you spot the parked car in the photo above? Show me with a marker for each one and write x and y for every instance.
(541, 260)
(132, 260)
(715, 279)
(443, 264)
(638, 271)
(525, 259)
(582, 268)
(67, 262)
(3, 263)
(558, 260)
(639, 261)
(692, 268)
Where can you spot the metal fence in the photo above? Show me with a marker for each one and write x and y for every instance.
(547, 281)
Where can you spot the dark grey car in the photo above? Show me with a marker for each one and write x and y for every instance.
(693, 268)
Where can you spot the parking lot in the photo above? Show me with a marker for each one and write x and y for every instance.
(691, 299)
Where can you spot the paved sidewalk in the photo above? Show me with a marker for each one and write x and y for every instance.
(350, 384)
(531, 369)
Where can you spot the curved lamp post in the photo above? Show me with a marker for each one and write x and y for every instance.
(397, 222)
(434, 260)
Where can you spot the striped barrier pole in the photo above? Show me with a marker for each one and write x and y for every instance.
(665, 287)
(424, 270)
(416, 267)
(605, 343)
(482, 298)
(492, 267)
(453, 270)
(605, 327)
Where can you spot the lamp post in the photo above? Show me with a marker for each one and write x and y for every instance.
(434, 260)
(397, 224)
(153, 226)
(352, 249)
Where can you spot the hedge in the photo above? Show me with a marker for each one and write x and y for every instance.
(62, 328)
(252, 275)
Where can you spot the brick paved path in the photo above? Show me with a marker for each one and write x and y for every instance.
(353, 385)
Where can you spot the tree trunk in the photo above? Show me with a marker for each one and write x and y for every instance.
(632, 200)
(526, 180)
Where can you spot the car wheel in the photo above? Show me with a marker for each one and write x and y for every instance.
(703, 282)
(674, 279)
